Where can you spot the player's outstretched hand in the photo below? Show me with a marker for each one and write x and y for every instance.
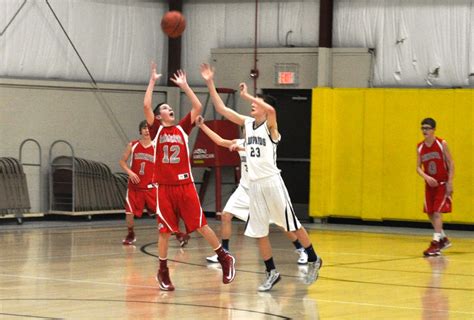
(179, 78)
(234, 147)
(199, 120)
(207, 72)
(243, 89)
(134, 178)
(154, 76)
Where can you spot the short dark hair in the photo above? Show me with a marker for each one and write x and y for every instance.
(143, 124)
(429, 121)
(157, 108)
(268, 99)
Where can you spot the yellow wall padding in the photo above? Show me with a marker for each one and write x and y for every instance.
(363, 152)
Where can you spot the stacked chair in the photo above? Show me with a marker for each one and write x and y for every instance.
(81, 185)
(14, 198)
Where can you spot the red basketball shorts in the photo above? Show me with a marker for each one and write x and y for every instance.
(137, 199)
(436, 200)
(179, 201)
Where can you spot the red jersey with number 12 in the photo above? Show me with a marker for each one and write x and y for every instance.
(172, 164)
(433, 160)
(142, 162)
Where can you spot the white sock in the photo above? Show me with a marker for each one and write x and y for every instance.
(436, 236)
(443, 235)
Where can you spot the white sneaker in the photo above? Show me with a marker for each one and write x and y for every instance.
(212, 259)
(313, 271)
(272, 278)
(303, 256)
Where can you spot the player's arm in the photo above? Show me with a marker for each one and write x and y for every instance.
(147, 102)
(123, 164)
(450, 164)
(179, 78)
(207, 73)
(216, 138)
(429, 180)
(270, 111)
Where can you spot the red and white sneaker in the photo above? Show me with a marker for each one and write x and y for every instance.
(129, 239)
(183, 238)
(228, 268)
(433, 250)
(163, 278)
(444, 243)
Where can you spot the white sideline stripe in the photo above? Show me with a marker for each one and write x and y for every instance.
(236, 294)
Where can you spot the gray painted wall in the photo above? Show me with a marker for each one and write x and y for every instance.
(351, 66)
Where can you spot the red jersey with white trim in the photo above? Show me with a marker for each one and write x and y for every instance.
(172, 165)
(142, 162)
(433, 160)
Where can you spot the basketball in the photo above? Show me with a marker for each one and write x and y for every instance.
(173, 24)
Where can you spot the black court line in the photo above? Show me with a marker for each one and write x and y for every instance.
(27, 315)
(147, 302)
(144, 247)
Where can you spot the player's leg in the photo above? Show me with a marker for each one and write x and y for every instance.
(435, 203)
(302, 255)
(226, 232)
(168, 223)
(163, 276)
(258, 227)
(237, 206)
(283, 214)
(134, 204)
(272, 275)
(191, 212)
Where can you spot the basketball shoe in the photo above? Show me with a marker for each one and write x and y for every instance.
(163, 278)
(129, 239)
(213, 259)
(228, 268)
(313, 270)
(303, 256)
(434, 249)
(444, 243)
(271, 279)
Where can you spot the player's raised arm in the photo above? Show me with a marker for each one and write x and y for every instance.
(269, 109)
(217, 139)
(207, 73)
(147, 102)
(123, 164)
(179, 78)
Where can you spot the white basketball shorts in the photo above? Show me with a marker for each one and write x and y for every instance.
(239, 203)
(270, 203)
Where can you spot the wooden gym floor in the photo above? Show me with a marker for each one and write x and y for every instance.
(80, 270)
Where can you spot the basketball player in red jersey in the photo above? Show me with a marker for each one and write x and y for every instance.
(177, 196)
(140, 190)
(436, 166)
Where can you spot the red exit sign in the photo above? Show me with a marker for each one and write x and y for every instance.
(286, 77)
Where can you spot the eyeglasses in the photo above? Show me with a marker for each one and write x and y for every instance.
(426, 128)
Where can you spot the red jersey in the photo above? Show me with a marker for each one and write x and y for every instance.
(172, 165)
(433, 160)
(142, 162)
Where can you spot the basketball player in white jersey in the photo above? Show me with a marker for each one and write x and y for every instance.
(238, 204)
(269, 199)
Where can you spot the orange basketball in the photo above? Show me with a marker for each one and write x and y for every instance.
(173, 24)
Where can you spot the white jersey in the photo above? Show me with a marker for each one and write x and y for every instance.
(261, 151)
(244, 176)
